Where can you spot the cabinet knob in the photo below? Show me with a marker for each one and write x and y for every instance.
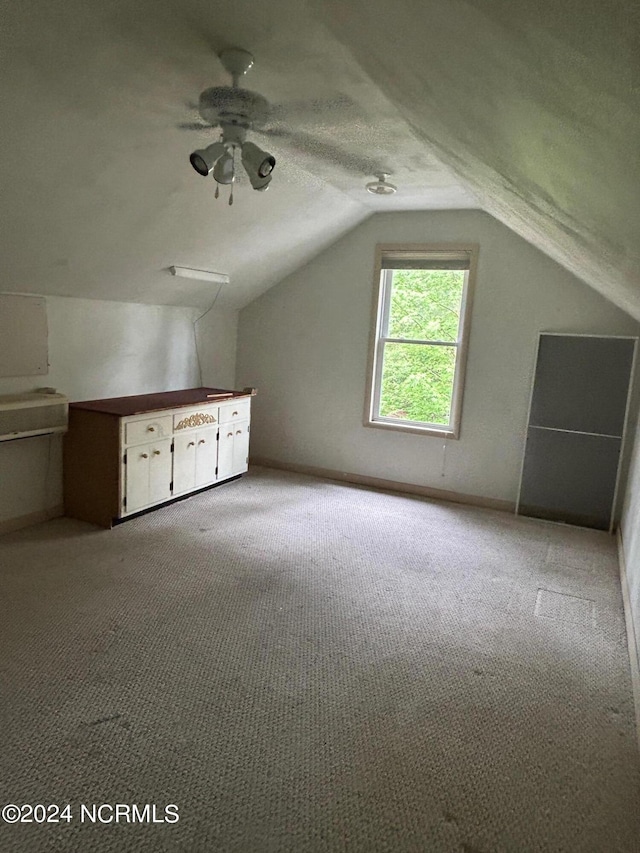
(238, 432)
(229, 435)
(191, 444)
(202, 441)
(151, 429)
(156, 453)
(144, 455)
(233, 413)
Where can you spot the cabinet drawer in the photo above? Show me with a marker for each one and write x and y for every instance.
(195, 418)
(137, 432)
(238, 411)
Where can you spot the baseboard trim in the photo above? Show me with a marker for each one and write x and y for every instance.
(634, 659)
(11, 524)
(386, 485)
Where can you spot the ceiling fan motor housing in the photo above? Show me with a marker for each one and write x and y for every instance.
(226, 105)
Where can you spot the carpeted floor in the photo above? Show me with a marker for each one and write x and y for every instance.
(304, 666)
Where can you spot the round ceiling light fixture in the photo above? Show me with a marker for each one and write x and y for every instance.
(381, 186)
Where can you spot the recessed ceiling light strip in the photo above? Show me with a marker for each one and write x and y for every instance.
(201, 275)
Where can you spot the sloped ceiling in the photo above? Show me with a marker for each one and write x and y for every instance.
(536, 106)
(528, 110)
(98, 197)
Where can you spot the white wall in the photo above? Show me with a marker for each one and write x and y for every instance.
(100, 349)
(630, 528)
(304, 345)
(217, 340)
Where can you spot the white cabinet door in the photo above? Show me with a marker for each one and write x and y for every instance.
(160, 472)
(240, 447)
(225, 451)
(234, 449)
(195, 456)
(184, 463)
(206, 457)
(148, 474)
(137, 478)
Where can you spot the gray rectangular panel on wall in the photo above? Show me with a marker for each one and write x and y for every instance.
(23, 335)
(576, 425)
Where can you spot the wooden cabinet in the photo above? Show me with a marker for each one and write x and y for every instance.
(129, 454)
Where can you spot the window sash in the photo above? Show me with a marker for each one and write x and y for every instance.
(421, 342)
(410, 260)
(386, 283)
(386, 288)
(385, 419)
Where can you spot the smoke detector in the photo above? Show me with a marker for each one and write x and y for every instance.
(381, 186)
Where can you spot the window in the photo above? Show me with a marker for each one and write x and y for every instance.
(421, 328)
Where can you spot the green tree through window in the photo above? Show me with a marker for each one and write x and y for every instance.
(419, 340)
(417, 378)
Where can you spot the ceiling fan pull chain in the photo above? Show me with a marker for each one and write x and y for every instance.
(217, 194)
(233, 173)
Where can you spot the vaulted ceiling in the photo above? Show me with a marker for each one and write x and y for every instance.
(529, 110)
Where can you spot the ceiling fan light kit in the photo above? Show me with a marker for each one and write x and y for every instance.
(235, 111)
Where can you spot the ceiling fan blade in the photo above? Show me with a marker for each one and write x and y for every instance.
(312, 146)
(194, 125)
(320, 110)
(274, 131)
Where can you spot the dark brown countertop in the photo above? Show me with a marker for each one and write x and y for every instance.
(141, 403)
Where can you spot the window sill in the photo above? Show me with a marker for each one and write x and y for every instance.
(437, 432)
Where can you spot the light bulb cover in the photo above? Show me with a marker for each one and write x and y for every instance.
(204, 159)
(256, 161)
(258, 183)
(223, 171)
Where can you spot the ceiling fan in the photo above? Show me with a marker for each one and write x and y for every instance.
(238, 111)
(235, 111)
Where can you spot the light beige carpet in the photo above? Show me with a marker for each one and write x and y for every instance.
(306, 666)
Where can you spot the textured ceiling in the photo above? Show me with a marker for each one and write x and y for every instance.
(98, 197)
(536, 106)
(529, 110)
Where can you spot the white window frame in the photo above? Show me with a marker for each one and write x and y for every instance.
(381, 301)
